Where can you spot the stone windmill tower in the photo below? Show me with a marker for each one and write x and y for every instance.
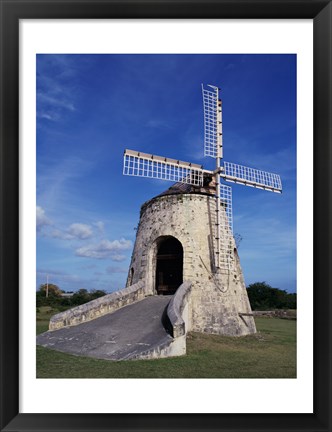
(185, 233)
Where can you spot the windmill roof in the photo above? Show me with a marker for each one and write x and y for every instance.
(208, 188)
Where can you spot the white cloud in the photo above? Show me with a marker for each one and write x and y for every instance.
(56, 94)
(100, 225)
(80, 231)
(57, 181)
(104, 249)
(41, 218)
(56, 102)
(47, 116)
(61, 235)
(76, 231)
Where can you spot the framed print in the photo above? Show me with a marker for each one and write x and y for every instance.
(110, 72)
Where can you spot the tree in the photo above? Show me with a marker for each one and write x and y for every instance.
(56, 300)
(50, 290)
(81, 296)
(94, 294)
(263, 297)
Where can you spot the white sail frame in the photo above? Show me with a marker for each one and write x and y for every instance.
(210, 107)
(147, 165)
(251, 177)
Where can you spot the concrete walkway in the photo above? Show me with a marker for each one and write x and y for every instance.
(120, 335)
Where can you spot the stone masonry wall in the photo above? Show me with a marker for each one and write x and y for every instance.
(179, 311)
(218, 300)
(98, 307)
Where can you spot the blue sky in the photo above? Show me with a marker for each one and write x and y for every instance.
(91, 107)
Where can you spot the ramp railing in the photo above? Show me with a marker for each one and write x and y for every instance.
(98, 307)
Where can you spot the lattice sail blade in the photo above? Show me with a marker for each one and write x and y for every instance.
(251, 177)
(226, 202)
(226, 229)
(147, 165)
(210, 106)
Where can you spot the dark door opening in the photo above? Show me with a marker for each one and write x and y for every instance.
(169, 266)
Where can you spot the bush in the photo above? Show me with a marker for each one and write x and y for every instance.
(58, 302)
(263, 297)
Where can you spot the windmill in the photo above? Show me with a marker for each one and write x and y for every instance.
(163, 168)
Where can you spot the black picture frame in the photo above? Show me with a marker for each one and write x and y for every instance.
(14, 10)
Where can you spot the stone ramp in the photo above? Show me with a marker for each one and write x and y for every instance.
(121, 335)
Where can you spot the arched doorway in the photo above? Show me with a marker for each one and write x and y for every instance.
(169, 268)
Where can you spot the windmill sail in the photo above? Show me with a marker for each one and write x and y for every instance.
(225, 231)
(251, 177)
(147, 165)
(210, 105)
(226, 202)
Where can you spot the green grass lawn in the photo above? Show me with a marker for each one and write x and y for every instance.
(44, 314)
(271, 353)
